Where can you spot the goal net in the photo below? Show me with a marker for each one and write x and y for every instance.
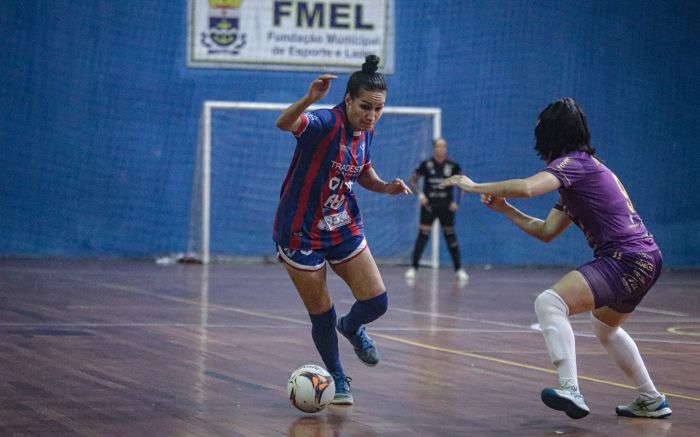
(242, 160)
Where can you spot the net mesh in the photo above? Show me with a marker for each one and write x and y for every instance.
(249, 160)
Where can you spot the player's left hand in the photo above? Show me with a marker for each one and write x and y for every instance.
(460, 181)
(397, 186)
(454, 206)
(496, 203)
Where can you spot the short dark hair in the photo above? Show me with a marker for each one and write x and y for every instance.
(562, 128)
(367, 78)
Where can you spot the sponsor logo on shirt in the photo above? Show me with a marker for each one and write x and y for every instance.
(334, 221)
(346, 168)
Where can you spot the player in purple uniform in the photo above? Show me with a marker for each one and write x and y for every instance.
(627, 260)
(318, 219)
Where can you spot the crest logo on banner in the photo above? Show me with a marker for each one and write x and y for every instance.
(223, 34)
(311, 35)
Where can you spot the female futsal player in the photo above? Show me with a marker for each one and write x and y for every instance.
(318, 219)
(627, 260)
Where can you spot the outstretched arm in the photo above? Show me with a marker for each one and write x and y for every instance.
(535, 185)
(372, 182)
(289, 119)
(545, 230)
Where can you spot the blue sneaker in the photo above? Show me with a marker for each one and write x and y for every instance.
(655, 408)
(566, 398)
(343, 395)
(364, 347)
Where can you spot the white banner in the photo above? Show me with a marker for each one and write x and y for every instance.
(321, 35)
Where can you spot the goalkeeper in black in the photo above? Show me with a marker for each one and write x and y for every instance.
(437, 203)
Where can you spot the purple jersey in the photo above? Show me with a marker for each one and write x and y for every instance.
(317, 207)
(595, 200)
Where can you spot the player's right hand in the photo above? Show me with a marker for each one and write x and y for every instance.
(320, 86)
(460, 181)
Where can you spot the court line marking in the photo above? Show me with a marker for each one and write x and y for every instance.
(579, 319)
(514, 363)
(128, 325)
(379, 335)
(664, 312)
(528, 329)
(681, 330)
(10, 325)
(638, 339)
(447, 316)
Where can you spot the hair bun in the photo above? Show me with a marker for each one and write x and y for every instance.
(371, 64)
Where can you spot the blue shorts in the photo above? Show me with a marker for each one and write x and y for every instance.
(621, 281)
(312, 260)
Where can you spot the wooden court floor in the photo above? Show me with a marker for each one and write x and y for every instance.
(131, 348)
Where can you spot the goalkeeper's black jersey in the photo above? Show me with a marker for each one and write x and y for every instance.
(434, 173)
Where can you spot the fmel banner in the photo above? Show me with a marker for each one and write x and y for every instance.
(290, 35)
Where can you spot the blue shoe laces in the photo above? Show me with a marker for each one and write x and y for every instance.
(342, 382)
(365, 342)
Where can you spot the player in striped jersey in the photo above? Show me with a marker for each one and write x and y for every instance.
(318, 219)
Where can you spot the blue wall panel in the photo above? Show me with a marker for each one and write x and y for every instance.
(100, 115)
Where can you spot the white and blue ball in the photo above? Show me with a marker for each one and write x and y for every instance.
(310, 388)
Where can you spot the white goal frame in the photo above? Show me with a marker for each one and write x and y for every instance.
(204, 160)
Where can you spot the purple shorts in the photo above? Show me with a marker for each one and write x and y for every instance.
(622, 280)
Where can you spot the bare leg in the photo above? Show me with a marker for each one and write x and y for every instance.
(362, 276)
(312, 289)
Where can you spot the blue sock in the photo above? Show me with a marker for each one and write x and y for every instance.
(326, 339)
(365, 311)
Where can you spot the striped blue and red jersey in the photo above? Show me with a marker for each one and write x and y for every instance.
(317, 207)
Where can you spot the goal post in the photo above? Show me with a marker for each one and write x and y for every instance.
(199, 247)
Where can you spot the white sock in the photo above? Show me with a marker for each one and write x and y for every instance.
(553, 315)
(625, 353)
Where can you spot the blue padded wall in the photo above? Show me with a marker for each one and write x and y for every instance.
(100, 115)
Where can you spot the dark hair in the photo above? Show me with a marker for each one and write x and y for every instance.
(367, 78)
(562, 128)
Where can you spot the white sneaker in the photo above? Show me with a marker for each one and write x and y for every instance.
(461, 275)
(410, 273)
(656, 408)
(566, 398)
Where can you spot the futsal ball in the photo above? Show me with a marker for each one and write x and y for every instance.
(310, 388)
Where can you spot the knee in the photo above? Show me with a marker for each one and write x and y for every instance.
(372, 308)
(602, 330)
(549, 302)
(450, 237)
(381, 303)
